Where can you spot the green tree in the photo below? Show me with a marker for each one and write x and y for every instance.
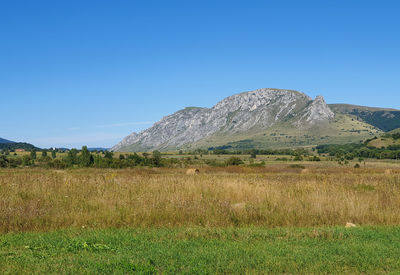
(3, 161)
(72, 157)
(26, 160)
(33, 154)
(86, 158)
(156, 158)
(53, 154)
(108, 155)
(44, 153)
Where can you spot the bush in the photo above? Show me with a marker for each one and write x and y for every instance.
(233, 161)
(297, 166)
(298, 158)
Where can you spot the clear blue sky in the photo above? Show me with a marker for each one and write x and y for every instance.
(91, 72)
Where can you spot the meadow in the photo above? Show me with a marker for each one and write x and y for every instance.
(278, 218)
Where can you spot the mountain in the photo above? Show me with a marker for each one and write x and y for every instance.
(384, 119)
(2, 140)
(93, 149)
(256, 119)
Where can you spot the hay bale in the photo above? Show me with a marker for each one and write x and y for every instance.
(388, 171)
(305, 171)
(350, 225)
(192, 171)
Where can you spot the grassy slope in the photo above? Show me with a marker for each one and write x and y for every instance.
(383, 142)
(343, 130)
(395, 131)
(382, 118)
(346, 108)
(203, 250)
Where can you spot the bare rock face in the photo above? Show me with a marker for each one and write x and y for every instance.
(126, 141)
(254, 110)
(317, 112)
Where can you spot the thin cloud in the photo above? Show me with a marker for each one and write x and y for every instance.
(124, 124)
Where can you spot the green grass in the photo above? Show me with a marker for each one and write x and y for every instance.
(368, 250)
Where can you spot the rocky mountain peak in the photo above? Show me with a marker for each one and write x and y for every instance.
(319, 111)
(252, 111)
(253, 99)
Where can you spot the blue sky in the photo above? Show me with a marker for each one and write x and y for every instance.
(91, 72)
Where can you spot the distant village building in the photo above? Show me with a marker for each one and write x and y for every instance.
(19, 150)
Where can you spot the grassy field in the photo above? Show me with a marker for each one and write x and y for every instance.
(39, 199)
(367, 250)
(273, 219)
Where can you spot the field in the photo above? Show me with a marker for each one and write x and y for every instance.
(273, 219)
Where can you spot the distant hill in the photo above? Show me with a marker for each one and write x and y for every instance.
(98, 149)
(382, 118)
(12, 145)
(2, 140)
(264, 118)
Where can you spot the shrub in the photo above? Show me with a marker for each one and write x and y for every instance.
(298, 166)
(233, 161)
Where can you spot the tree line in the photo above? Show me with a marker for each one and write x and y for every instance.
(79, 158)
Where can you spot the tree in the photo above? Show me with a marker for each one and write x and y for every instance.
(156, 159)
(3, 161)
(53, 154)
(72, 157)
(33, 154)
(253, 154)
(26, 160)
(86, 158)
(108, 155)
(44, 153)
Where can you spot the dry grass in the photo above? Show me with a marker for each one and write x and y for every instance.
(38, 199)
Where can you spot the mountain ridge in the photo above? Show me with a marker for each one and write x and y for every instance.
(386, 119)
(2, 140)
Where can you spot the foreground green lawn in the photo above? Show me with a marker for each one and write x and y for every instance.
(201, 250)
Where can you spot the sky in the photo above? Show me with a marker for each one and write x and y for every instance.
(84, 72)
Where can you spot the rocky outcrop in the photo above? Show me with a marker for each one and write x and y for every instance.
(317, 112)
